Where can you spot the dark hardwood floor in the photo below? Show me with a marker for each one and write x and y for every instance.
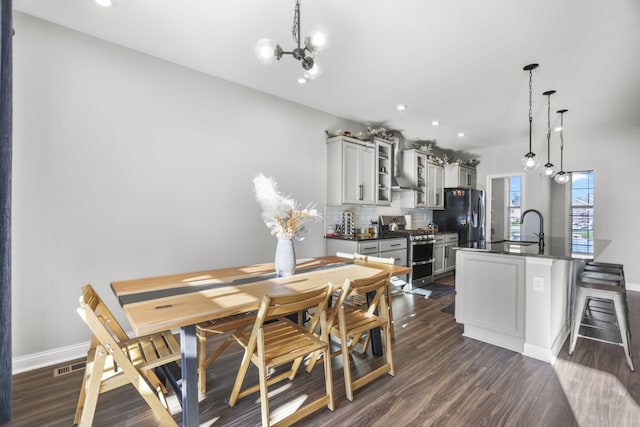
(441, 379)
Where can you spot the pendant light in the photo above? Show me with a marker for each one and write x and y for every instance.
(530, 162)
(549, 169)
(562, 177)
(268, 51)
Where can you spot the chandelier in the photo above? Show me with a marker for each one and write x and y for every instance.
(530, 162)
(268, 51)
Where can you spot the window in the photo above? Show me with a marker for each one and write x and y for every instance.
(515, 202)
(581, 216)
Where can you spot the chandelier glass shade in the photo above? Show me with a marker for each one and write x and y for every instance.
(530, 162)
(549, 169)
(267, 51)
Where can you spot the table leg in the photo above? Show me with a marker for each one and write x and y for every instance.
(189, 347)
(376, 340)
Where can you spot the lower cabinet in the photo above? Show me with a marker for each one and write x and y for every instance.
(443, 253)
(438, 255)
(385, 248)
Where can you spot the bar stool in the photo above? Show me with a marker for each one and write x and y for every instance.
(613, 299)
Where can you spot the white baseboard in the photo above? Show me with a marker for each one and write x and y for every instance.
(56, 356)
(50, 357)
(633, 287)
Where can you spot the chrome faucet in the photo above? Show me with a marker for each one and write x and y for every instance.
(539, 235)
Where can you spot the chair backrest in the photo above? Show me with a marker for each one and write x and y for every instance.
(91, 306)
(278, 306)
(373, 261)
(377, 283)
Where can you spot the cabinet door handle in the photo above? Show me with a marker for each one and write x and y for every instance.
(361, 189)
(446, 251)
(370, 247)
(396, 244)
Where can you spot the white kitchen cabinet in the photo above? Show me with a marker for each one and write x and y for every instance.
(438, 255)
(364, 247)
(384, 170)
(443, 253)
(414, 168)
(351, 171)
(451, 241)
(459, 176)
(385, 248)
(435, 186)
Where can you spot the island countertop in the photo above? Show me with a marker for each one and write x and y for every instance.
(555, 247)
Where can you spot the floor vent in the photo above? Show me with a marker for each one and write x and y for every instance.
(63, 370)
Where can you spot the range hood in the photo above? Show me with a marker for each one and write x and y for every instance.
(398, 181)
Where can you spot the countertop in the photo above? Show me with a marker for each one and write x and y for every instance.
(362, 239)
(555, 247)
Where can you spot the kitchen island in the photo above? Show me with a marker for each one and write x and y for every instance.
(509, 295)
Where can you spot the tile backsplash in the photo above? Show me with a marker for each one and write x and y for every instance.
(363, 215)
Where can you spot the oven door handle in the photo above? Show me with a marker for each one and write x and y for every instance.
(429, 261)
(422, 243)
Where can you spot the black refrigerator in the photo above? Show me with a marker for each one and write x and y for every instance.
(463, 213)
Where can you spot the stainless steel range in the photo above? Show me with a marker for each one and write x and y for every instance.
(420, 253)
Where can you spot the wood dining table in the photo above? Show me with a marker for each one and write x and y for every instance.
(183, 300)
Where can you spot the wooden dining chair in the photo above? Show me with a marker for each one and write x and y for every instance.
(281, 341)
(217, 327)
(350, 323)
(115, 360)
(382, 264)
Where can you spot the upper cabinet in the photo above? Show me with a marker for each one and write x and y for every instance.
(414, 168)
(384, 170)
(351, 171)
(435, 186)
(459, 176)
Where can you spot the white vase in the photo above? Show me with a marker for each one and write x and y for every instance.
(285, 261)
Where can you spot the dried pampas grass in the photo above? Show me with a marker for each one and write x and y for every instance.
(281, 214)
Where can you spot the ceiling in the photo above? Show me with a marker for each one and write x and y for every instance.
(456, 61)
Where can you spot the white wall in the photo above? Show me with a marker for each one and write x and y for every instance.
(128, 166)
(613, 154)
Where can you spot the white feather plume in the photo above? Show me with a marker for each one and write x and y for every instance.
(282, 214)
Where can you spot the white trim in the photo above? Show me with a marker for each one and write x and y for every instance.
(50, 357)
(540, 260)
(56, 356)
(633, 287)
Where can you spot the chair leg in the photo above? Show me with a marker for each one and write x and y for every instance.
(390, 310)
(577, 319)
(345, 355)
(235, 392)
(262, 372)
(202, 367)
(92, 387)
(82, 396)
(328, 374)
(388, 353)
(313, 360)
(624, 329)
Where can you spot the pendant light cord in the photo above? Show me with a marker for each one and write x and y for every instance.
(561, 141)
(295, 30)
(548, 128)
(530, 116)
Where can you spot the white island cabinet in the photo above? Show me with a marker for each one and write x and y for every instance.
(514, 298)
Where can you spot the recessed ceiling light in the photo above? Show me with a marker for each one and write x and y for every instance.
(401, 107)
(558, 128)
(435, 123)
(302, 80)
(105, 3)
(460, 134)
